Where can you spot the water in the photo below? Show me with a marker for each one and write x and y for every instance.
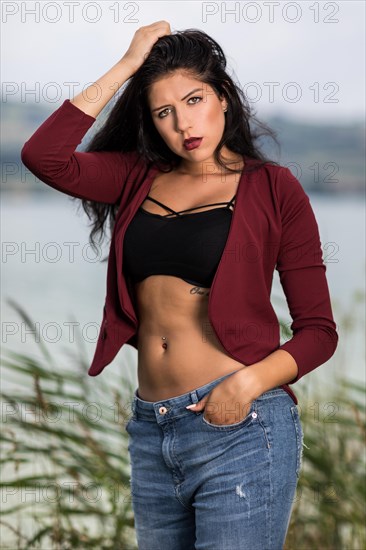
(58, 282)
(56, 286)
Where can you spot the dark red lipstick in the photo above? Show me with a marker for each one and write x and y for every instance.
(192, 143)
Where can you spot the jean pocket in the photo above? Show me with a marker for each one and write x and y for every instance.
(129, 423)
(132, 417)
(299, 438)
(248, 419)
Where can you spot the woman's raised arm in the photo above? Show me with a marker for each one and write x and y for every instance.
(92, 100)
(50, 153)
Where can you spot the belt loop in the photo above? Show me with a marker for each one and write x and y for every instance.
(194, 396)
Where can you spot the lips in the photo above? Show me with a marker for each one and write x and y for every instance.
(192, 143)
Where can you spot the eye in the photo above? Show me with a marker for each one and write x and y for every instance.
(161, 114)
(195, 97)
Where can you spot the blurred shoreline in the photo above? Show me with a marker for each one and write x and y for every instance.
(326, 158)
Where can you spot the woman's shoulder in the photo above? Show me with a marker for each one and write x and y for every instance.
(131, 159)
(279, 173)
(277, 179)
(264, 168)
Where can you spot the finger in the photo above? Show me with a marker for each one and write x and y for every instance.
(197, 406)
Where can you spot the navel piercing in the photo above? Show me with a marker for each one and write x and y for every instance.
(165, 345)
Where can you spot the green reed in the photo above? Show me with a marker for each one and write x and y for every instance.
(65, 467)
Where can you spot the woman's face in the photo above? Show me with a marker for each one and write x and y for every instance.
(182, 107)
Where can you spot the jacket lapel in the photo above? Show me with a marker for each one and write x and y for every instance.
(124, 217)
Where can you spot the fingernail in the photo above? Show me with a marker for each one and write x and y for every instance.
(191, 406)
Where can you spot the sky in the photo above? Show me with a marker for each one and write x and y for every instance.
(304, 60)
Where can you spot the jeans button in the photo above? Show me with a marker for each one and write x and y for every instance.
(162, 410)
(254, 415)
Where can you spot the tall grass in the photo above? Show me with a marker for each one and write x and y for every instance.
(330, 504)
(65, 467)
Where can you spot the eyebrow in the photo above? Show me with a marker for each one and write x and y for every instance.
(191, 92)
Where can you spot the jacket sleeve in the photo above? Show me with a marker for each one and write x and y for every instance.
(50, 155)
(302, 274)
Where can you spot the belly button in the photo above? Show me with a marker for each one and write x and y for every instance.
(164, 344)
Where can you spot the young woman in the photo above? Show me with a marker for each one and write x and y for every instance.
(200, 219)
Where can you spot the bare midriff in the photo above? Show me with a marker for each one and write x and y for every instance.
(178, 349)
(175, 313)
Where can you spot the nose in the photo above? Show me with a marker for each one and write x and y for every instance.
(182, 122)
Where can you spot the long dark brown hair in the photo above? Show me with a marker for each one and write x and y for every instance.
(129, 125)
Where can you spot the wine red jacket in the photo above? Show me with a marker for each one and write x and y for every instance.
(273, 227)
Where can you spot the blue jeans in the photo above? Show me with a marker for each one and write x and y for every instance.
(196, 485)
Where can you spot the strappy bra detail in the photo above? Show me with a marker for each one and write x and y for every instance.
(228, 204)
(190, 248)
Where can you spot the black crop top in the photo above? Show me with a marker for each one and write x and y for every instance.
(188, 246)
